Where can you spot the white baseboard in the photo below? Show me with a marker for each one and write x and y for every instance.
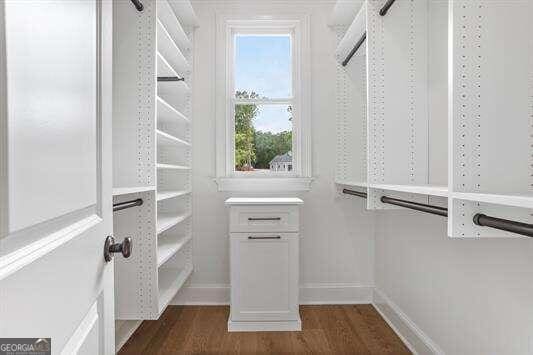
(414, 338)
(123, 331)
(202, 295)
(287, 326)
(335, 294)
(219, 294)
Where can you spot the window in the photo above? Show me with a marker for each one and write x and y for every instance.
(263, 131)
(263, 101)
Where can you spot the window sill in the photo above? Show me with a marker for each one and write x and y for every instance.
(263, 184)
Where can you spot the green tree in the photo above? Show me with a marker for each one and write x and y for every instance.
(245, 154)
(268, 145)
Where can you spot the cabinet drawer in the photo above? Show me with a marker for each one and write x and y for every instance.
(264, 219)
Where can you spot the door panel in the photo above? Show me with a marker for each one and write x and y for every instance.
(51, 71)
(259, 266)
(54, 280)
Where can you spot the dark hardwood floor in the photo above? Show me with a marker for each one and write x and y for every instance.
(339, 329)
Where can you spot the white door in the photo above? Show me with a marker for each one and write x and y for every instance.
(55, 182)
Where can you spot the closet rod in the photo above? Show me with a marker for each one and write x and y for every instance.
(170, 78)
(503, 224)
(138, 4)
(127, 204)
(354, 50)
(354, 193)
(441, 211)
(386, 7)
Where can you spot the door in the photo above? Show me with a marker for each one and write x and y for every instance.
(264, 276)
(55, 182)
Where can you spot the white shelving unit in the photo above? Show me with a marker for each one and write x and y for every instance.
(152, 152)
(351, 92)
(440, 93)
(491, 115)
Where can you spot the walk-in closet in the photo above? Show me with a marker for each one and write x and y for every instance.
(266, 177)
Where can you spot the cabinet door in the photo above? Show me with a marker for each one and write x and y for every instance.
(264, 276)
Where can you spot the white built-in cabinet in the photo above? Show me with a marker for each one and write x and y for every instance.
(152, 152)
(264, 258)
(436, 107)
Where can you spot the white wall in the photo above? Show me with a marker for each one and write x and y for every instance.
(469, 296)
(336, 254)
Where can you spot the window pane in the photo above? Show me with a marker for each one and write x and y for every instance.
(263, 138)
(263, 65)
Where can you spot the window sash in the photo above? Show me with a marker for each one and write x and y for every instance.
(233, 101)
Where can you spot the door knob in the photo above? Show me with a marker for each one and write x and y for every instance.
(110, 247)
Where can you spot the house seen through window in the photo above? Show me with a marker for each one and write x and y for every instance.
(263, 103)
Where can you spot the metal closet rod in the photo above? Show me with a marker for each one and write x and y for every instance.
(479, 218)
(170, 78)
(386, 7)
(354, 50)
(138, 5)
(127, 204)
(441, 211)
(503, 224)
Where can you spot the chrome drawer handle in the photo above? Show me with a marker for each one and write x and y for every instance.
(264, 218)
(272, 237)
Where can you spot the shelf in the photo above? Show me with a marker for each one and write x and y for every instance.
(168, 19)
(184, 12)
(170, 281)
(165, 69)
(117, 191)
(515, 200)
(348, 184)
(167, 221)
(414, 189)
(167, 248)
(168, 114)
(167, 139)
(172, 167)
(165, 195)
(352, 36)
(170, 51)
(344, 12)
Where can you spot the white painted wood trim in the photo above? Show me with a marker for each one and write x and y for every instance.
(19, 258)
(302, 89)
(288, 326)
(250, 201)
(413, 337)
(80, 334)
(320, 293)
(4, 192)
(263, 184)
(124, 330)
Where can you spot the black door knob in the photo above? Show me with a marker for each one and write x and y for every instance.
(110, 247)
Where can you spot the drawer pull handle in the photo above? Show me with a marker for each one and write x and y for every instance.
(264, 218)
(272, 237)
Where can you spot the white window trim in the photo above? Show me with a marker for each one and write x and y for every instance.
(226, 177)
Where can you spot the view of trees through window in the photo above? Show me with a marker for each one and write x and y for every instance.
(256, 149)
(263, 125)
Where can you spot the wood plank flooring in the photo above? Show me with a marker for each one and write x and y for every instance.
(338, 329)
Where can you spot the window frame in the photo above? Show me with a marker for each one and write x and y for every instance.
(297, 26)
